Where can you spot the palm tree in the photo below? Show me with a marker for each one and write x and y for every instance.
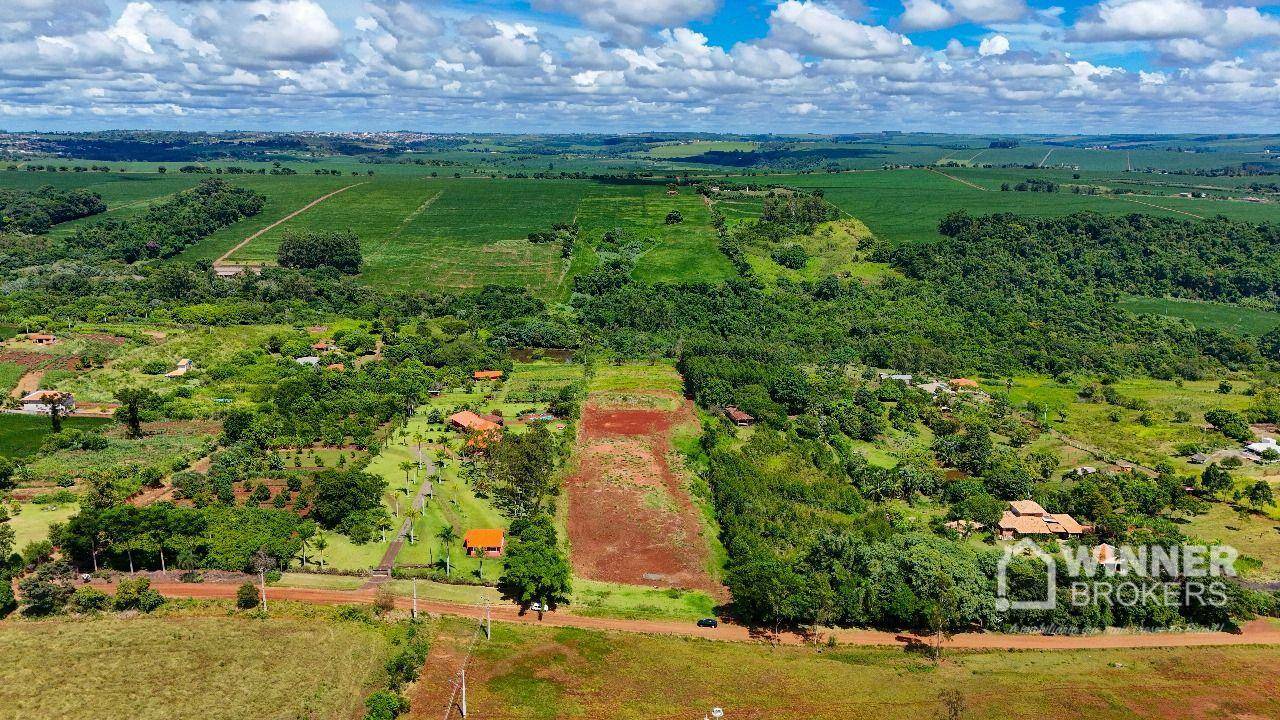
(320, 544)
(447, 536)
(406, 466)
(413, 513)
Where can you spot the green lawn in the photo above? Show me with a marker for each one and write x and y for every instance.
(1255, 536)
(1148, 444)
(32, 523)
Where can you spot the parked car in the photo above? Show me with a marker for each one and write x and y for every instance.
(708, 623)
(538, 607)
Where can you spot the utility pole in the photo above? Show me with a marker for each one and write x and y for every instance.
(415, 599)
(262, 584)
(464, 690)
(488, 622)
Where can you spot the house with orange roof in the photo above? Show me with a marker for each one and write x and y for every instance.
(487, 375)
(486, 542)
(1027, 517)
(42, 338)
(42, 402)
(963, 384)
(469, 421)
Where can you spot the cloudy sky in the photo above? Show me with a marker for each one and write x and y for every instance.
(630, 65)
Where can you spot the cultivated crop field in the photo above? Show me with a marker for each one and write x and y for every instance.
(176, 667)
(1220, 316)
(905, 205)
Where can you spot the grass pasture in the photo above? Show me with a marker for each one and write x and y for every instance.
(173, 667)
(1129, 439)
(1209, 315)
(21, 435)
(535, 673)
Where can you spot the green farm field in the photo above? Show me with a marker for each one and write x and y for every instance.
(1219, 316)
(309, 666)
(21, 435)
(904, 206)
(458, 234)
(529, 672)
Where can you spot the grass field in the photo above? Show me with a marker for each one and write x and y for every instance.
(697, 147)
(1220, 316)
(459, 234)
(1129, 439)
(1255, 536)
(21, 435)
(905, 205)
(535, 673)
(171, 668)
(684, 252)
(32, 523)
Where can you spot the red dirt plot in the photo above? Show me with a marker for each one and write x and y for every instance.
(631, 519)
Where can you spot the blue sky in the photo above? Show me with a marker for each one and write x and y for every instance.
(628, 65)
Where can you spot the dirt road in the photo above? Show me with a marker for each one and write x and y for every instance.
(1258, 632)
(222, 260)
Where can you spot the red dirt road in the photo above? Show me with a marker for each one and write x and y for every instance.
(1259, 632)
(631, 519)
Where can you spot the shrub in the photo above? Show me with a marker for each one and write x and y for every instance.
(137, 594)
(674, 217)
(792, 256)
(384, 705)
(88, 599)
(247, 597)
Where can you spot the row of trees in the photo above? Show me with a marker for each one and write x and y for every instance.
(167, 227)
(36, 211)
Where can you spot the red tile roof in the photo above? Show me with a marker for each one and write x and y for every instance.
(487, 374)
(484, 538)
(468, 420)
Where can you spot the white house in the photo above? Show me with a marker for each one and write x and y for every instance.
(309, 360)
(900, 377)
(1262, 446)
(183, 366)
(41, 402)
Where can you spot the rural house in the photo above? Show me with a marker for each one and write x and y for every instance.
(959, 384)
(469, 421)
(487, 375)
(42, 338)
(486, 542)
(738, 417)
(184, 365)
(1026, 517)
(309, 360)
(323, 346)
(41, 402)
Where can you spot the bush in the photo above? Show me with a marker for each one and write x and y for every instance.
(384, 705)
(247, 597)
(674, 217)
(88, 599)
(792, 256)
(136, 594)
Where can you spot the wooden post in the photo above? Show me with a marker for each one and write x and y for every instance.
(464, 691)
